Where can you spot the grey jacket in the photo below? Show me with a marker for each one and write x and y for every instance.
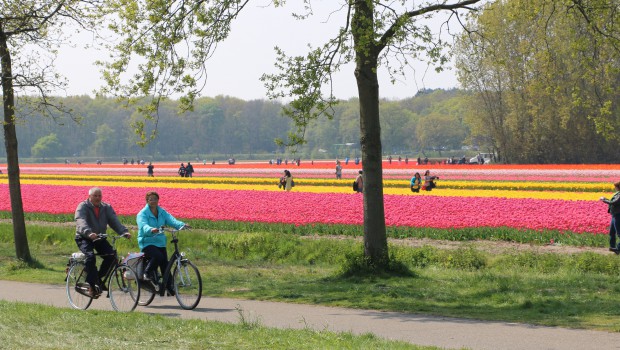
(87, 223)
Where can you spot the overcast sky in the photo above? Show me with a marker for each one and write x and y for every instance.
(239, 62)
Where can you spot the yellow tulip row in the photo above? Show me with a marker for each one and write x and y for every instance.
(452, 184)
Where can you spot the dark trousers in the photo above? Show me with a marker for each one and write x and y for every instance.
(105, 250)
(157, 257)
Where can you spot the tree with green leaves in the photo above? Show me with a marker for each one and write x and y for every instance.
(173, 40)
(544, 76)
(30, 33)
(46, 146)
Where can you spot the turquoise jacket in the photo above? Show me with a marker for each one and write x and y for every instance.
(147, 221)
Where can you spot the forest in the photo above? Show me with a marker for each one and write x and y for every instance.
(430, 123)
(433, 123)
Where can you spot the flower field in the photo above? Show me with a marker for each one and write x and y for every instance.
(562, 198)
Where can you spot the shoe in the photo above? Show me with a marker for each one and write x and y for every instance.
(170, 291)
(615, 250)
(94, 292)
(146, 278)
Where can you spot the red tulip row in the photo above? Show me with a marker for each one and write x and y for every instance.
(329, 208)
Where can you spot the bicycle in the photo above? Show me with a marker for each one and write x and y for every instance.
(123, 288)
(186, 280)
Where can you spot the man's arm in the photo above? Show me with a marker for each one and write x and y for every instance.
(114, 222)
(81, 221)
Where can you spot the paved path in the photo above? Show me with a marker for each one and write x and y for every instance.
(417, 329)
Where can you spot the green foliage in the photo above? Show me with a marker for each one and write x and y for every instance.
(223, 125)
(46, 146)
(543, 79)
(463, 234)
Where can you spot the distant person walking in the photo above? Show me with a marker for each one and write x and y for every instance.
(614, 209)
(149, 169)
(181, 171)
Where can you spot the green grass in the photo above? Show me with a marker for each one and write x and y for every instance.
(27, 326)
(569, 290)
(463, 234)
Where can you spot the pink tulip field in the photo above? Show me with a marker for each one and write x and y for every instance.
(326, 201)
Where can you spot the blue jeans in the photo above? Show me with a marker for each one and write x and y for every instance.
(613, 230)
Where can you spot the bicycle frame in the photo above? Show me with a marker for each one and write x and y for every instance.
(174, 259)
(181, 278)
(118, 290)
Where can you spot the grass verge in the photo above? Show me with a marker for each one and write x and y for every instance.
(569, 290)
(29, 326)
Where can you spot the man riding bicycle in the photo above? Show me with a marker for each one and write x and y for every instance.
(92, 218)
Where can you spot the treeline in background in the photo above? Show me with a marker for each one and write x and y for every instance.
(434, 123)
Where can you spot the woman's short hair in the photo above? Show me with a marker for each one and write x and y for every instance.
(151, 193)
(617, 185)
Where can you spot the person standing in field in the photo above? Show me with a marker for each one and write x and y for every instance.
(288, 180)
(359, 180)
(338, 170)
(613, 209)
(189, 170)
(149, 169)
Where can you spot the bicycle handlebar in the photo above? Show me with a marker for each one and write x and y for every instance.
(162, 230)
(105, 235)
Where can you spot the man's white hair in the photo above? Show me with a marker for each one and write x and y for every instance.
(94, 190)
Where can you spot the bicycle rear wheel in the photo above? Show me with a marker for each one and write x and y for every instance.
(124, 288)
(77, 287)
(187, 284)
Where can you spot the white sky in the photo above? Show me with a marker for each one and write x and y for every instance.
(238, 63)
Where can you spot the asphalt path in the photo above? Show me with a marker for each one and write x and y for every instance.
(449, 333)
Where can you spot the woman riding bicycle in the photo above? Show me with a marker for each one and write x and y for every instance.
(151, 242)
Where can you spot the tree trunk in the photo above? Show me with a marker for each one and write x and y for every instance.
(375, 239)
(10, 140)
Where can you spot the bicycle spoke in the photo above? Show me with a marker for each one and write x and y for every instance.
(77, 287)
(124, 288)
(187, 284)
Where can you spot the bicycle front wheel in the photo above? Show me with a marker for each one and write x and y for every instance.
(124, 288)
(77, 287)
(187, 284)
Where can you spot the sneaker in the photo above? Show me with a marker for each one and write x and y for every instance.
(170, 291)
(615, 250)
(146, 278)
